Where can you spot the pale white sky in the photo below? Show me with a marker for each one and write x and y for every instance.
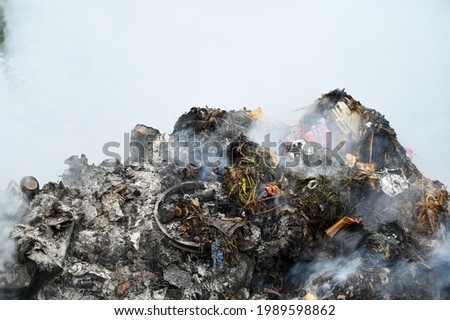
(77, 74)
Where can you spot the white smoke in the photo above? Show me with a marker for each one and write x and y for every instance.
(76, 74)
(269, 130)
(12, 208)
(322, 276)
(440, 260)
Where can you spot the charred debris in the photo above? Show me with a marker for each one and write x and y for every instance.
(367, 225)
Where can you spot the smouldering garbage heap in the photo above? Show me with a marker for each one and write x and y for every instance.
(332, 208)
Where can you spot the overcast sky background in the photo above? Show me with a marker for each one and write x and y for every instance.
(77, 74)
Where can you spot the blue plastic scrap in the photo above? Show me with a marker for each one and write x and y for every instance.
(217, 254)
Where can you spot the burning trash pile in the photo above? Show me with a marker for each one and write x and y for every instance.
(333, 209)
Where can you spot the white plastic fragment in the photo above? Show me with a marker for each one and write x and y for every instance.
(392, 182)
(82, 268)
(135, 237)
